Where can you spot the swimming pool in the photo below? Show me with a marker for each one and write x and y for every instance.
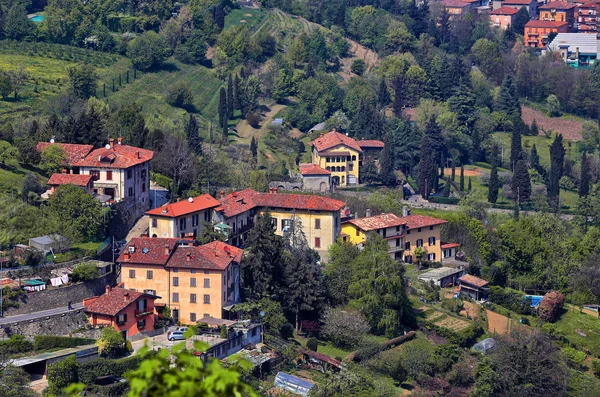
(37, 18)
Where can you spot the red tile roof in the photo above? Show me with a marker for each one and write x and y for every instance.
(454, 3)
(517, 2)
(333, 139)
(212, 256)
(70, 179)
(476, 281)
(449, 245)
(505, 11)
(149, 251)
(298, 202)
(544, 24)
(591, 4)
(115, 301)
(416, 221)
(74, 151)
(370, 144)
(185, 207)
(237, 202)
(558, 5)
(312, 169)
(377, 222)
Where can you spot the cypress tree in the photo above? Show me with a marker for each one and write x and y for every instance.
(104, 89)
(494, 184)
(398, 102)
(462, 178)
(535, 131)
(446, 191)
(428, 156)
(225, 132)
(383, 96)
(470, 185)
(236, 93)
(191, 132)
(127, 77)
(120, 82)
(584, 183)
(229, 98)
(515, 145)
(113, 85)
(387, 175)
(254, 148)
(453, 171)
(557, 159)
(521, 184)
(222, 107)
(436, 183)
(442, 165)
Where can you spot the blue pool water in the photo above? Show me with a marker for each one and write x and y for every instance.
(38, 18)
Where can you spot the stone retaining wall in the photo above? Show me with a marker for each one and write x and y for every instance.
(57, 325)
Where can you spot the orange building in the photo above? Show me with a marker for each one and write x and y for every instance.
(503, 17)
(129, 311)
(536, 32)
(559, 11)
(84, 181)
(587, 17)
(194, 281)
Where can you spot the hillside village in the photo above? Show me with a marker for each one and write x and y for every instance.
(299, 198)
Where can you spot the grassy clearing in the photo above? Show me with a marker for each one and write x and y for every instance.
(285, 27)
(573, 325)
(252, 17)
(542, 145)
(12, 176)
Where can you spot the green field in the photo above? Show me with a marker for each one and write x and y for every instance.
(573, 325)
(252, 17)
(285, 27)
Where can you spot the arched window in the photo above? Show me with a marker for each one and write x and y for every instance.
(353, 158)
(343, 169)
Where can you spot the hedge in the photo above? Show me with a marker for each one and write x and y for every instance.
(464, 338)
(16, 344)
(44, 342)
(90, 370)
(443, 200)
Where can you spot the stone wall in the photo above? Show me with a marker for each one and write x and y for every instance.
(54, 297)
(58, 325)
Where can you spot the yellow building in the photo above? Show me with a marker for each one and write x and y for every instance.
(319, 216)
(404, 235)
(194, 281)
(342, 156)
(182, 218)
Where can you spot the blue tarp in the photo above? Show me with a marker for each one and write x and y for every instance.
(293, 383)
(535, 299)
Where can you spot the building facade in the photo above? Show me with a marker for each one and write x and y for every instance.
(182, 218)
(83, 181)
(193, 281)
(536, 32)
(315, 178)
(530, 5)
(587, 17)
(559, 11)
(388, 226)
(503, 17)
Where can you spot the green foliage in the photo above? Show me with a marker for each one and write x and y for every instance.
(521, 184)
(7, 152)
(312, 344)
(85, 272)
(148, 51)
(14, 345)
(358, 67)
(596, 367)
(88, 371)
(83, 80)
(46, 342)
(573, 357)
(14, 382)
(16, 24)
(53, 159)
(110, 344)
(61, 374)
(510, 299)
(179, 95)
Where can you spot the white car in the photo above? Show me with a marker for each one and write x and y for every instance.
(176, 335)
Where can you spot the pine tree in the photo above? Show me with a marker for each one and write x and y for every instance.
(515, 144)
(386, 163)
(236, 93)
(494, 183)
(230, 98)
(222, 107)
(254, 148)
(584, 183)
(557, 159)
(462, 178)
(521, 184)
(398, 88)
(442, 164)
(470, 185)
(191, 132)
(383, 95)
(508, 101)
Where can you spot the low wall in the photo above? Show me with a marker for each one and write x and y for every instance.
(54, 297)
(57, 325)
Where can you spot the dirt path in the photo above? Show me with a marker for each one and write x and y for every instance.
(357, 51)
(471, 172)
(498, 323)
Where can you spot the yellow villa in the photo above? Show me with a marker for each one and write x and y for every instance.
(194, 281)
(342, 156)
(183, 218)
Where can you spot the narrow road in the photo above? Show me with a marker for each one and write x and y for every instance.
(36, 315)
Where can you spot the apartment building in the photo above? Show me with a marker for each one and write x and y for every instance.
(182, 218)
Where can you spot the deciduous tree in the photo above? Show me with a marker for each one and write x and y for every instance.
(83, 80)
(148, 51)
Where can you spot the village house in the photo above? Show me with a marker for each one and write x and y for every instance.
(128, 311)
(193, 281)
(314, 177)
(389, 226)
(182, 218)
(473, 287)
(530, 5)
(587, 17)
(119, 172)
(458, 7)
(536, 32)
(342, 156)
(503, 17)
(559, 11)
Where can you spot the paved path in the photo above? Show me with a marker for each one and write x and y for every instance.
(36, 315)
(140, 227)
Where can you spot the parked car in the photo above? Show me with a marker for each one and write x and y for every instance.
(182, 329)
(175, 335)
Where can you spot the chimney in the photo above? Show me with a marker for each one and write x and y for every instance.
(577, 53)
(334, 130)
(178, 199)
(111, 141)
(368, 214)
(356, 215)
(275, 190)
(137, 154)
(166, 250)
(405, 211)
(126, 255)
(107, 288)
(222, 192)
(234, 194)
(126, 296)
(119, 140)
(64, 171)
(188, 256)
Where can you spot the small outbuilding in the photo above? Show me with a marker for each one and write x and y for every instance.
(443, 276)
(53, 243)
(293, 384)
(473, 287)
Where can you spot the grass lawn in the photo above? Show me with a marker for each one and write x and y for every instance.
(252, 17)
(78, 250)
(573, 325)
(12, 176)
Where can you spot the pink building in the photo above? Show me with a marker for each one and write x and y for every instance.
(503, 17)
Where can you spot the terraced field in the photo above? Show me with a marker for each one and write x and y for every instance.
(442, 319)
(285, 27)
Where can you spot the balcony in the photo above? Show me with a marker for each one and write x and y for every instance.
(393, 249)
(142, 313)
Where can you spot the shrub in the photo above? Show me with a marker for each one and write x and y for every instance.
(148, 51)
(344, 327)
(550, 306)
(85, 272)
(574, 357)
(253, 119)
(596, 367)
(90, 370)
(312, 344)
(61, 375)
(16, 344)
(179, 95)
(111, 343)
(128, 346)
(358, 67)
(286, 331)
(223, 332)
(46, 342)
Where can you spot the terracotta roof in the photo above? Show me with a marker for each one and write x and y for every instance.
(212, 256)
(416, 221)
(74, 151)
(185, 207)
(322, 357)
(476, 281)
(454, 3)
(333, 139)
(70, 179)
(312, 169)
(377, 222)
(115, 301)
(505, 11)
(544, 24)
(517, 2)
(237, 202)
(149, 251)
(370, 143)
(298, 201)
(118, 156)
(557, 5)
(591, 4)
(449, 245)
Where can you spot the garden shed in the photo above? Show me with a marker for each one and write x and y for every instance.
(54, 243)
